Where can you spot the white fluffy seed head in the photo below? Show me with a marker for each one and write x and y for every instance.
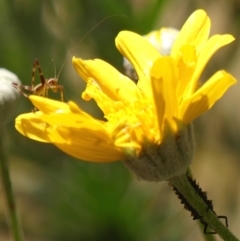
(9, 96)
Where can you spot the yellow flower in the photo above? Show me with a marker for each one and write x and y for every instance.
(141, 118)
(162, 40)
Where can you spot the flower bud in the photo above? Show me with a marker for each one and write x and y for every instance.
(161, 162)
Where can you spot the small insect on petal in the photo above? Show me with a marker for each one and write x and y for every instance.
(42, 88)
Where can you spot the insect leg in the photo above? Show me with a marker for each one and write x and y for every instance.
(20, 88)
(205, 229)
(42, 79)
(225, 218)
(45, 89)
(206, 225)
(61, 89)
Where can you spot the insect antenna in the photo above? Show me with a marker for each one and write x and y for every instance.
(55, 70)
(45, 85)
(84, 36)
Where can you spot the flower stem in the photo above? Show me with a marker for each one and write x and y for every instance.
(184, 187)
(207, 237)
(16, 229)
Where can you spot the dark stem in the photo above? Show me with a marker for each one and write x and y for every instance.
(12, 212)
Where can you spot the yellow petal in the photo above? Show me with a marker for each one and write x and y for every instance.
(195, 32)
(209, 48)
(110, 80)
(203, 99)
(164, 82)
(78, 121)
(140, 53)
(144, 53)
(31, 126)
(186, 63)
(106, 104)
(85, 145)
(48, 106)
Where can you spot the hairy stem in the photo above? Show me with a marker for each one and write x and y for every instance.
(184, 187)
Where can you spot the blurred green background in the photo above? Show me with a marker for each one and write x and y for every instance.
(61, 198)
